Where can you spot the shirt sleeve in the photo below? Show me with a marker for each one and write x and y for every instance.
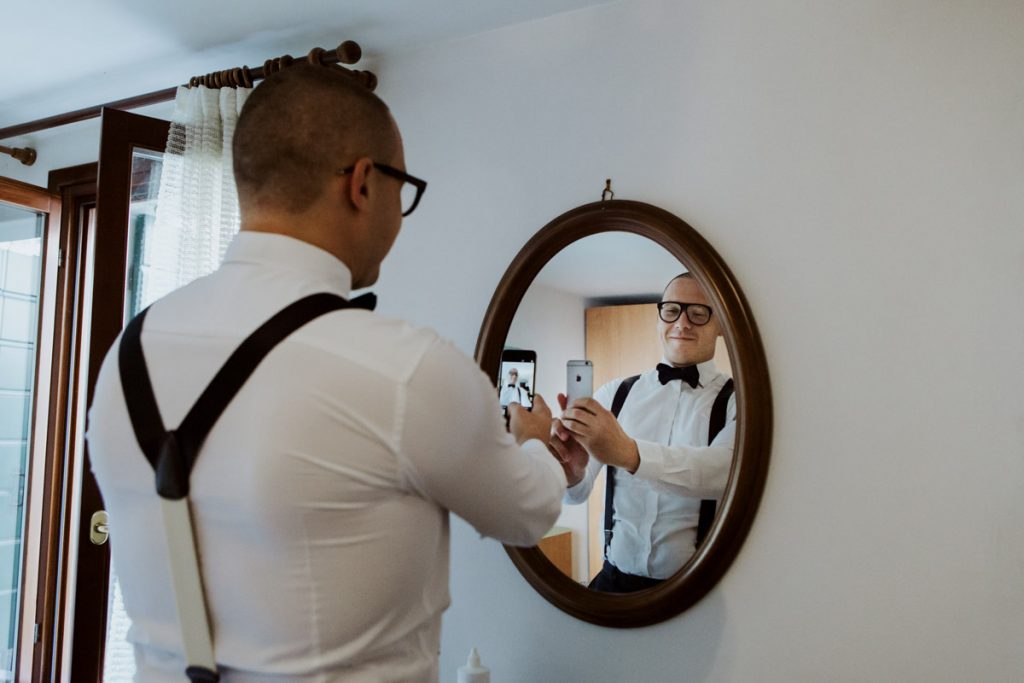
(574, 495)
(698, 471)
(455, 451)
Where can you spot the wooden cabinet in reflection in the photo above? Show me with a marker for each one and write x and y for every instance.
(557, 547)
(621, 341)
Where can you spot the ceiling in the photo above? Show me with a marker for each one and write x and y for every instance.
(70, 54)
(611, 267)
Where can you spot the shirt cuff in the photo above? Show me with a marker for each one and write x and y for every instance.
(652, 462)
(578, 493)
(538, 450)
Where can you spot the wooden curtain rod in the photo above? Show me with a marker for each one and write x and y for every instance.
(348, 52)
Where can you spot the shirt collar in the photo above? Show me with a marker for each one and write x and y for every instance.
(288, 253)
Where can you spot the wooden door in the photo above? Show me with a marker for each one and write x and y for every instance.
(129, 144)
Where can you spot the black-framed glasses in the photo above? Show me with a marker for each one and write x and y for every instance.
(412, 187)
(697, 314)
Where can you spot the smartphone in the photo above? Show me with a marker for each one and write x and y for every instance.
(579, 379)
(517, 377)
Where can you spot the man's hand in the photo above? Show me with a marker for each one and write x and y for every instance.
(525, 425)
(599, 432)
(567, 449)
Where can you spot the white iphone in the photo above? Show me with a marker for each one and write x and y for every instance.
(579, 380)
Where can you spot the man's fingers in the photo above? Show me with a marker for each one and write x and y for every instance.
(539, 404)
(560, 431)
(583, 417)
(560, 449)
(586, 405)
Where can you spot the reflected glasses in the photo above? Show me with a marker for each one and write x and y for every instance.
(697, 314)
(412, 187)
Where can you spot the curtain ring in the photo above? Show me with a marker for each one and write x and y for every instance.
(315, 56)
(246, 77)
(285, 61)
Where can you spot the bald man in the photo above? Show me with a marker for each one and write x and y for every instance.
(320, 497)
(666, 437)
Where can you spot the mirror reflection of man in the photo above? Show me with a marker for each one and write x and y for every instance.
(665, 470)
(515, 391)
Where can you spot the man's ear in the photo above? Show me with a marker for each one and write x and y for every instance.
(358, 192)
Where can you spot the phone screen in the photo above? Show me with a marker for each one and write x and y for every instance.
(579, 379)
(517, 377)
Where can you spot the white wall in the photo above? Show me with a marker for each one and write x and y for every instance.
(551, 322)
(859, 166)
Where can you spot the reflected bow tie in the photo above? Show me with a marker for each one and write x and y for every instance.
(689, 374)
(367, 301)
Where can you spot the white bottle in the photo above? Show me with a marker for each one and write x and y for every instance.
(474, 672)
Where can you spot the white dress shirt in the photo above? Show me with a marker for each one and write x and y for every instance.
(320, 498)
(515, 394)
(657, 508)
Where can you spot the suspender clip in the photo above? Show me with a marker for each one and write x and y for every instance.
(171, 471)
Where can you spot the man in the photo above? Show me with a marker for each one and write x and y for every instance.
(320, 499)
(659, 446)
(514, 392)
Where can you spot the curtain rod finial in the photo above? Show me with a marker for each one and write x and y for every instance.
(25, 155)
(349, 52)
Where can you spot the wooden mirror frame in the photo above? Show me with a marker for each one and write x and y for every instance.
(753, 402)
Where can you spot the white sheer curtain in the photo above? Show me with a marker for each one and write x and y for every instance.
(197, 206)
(196, 216)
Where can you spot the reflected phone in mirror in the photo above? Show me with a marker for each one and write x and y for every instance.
(579, 380)
(517, 377)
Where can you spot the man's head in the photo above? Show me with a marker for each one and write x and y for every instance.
(683, 341)
(513, 376)
(297, 130)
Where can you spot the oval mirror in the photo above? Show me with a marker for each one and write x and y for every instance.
(609, 261)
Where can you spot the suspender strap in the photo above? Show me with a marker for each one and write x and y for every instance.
(172, 454)
(715, 425)
(609, 488)
(621, 393)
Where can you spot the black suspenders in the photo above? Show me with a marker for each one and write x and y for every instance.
(715, 425)
(173, 453)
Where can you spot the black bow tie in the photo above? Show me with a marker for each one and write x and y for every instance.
(689, 374)
(367, 301)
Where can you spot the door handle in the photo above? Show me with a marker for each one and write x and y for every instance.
(99, 529)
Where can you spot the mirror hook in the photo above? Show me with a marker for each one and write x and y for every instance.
(607, 190)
